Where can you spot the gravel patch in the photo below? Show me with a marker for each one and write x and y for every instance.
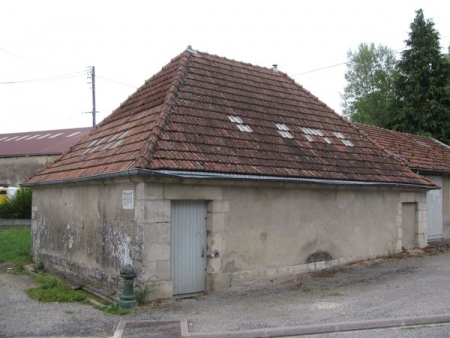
(413, 284)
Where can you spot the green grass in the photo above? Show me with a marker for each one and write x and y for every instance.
(15, 245)
(114, 309)
(53, 289)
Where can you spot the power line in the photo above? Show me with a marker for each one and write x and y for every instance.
(123, 84)
(28, 61)
(50, 78)
(397, 51)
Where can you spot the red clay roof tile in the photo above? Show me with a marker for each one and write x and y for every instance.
(418, 152)
(206, 113)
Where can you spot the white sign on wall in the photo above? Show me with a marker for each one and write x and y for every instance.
(128, 199)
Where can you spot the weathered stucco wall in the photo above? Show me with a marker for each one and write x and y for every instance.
(84, 230)
(252, 231)
(15, 170)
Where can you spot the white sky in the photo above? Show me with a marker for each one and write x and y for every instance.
(129, 41)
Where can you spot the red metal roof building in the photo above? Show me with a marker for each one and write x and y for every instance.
(45, 142)
(22, 154)
(204, 114)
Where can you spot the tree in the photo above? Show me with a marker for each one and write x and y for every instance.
(368, 92)
(422, 101)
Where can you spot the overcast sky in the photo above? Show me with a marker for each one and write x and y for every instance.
(46, 47)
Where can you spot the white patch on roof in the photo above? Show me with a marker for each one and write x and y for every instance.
(338, 135)
(309, 138)
(3, 138)
(423, 144)
(240, 124)
(110, 142)
(11, 138)
(285, 134)
(21, 138)
(244, 127)
(311, 131)
(44, 136)
(56, 135)
(343, 139)
(32, 137)
(327, 140)
(347, 143)
(282, 126)
(73, 134)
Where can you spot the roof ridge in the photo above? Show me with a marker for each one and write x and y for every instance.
(146, 154)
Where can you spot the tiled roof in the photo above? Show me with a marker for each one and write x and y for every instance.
(44, 142)
(418, 152)
(205, 113)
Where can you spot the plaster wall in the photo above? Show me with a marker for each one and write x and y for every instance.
(85, 231)
(16, 170)
(254, 231)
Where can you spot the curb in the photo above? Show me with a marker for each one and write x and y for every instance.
(327, 328)
(307, 329)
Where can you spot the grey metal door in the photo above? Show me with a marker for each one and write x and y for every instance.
(188, 246)
(434, 208)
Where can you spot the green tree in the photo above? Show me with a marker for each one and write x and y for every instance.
(19, 206)
(368, 93)
(422, 101)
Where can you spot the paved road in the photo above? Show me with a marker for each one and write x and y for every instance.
(408, 287)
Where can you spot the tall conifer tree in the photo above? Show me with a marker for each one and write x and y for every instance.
(422, 103)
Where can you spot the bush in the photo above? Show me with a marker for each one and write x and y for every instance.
(17, 207)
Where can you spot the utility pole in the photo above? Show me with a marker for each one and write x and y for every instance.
(91, 76)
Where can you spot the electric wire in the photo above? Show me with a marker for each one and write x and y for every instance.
(50, 78)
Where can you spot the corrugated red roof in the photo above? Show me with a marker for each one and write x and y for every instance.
(44, 142)
(418, 152)
(206, 113)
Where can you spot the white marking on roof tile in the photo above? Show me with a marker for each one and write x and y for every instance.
(3, 138)
(282, 126)
(73, 134)
(327, 140)
(243, 127)
(338, 135)
(21, 138)
(235, 119)
(309, 138)
(311, 131)
(423, 144)
(347, 143)
(117, 143)
(56, 135)
(11, 138)
(285, 134)
(32, 137)
(44, 136)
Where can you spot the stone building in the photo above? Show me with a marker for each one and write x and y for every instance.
(428, 157)
(217, 172)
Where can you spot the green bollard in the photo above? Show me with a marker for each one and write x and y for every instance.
(127, 300)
